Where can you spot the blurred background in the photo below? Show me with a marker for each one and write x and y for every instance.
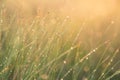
(48, 32)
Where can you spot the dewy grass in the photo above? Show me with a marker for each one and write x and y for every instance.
(55, 47)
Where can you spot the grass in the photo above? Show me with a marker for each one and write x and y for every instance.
(56, 47)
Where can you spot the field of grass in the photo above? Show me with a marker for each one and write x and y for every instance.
(59, 47)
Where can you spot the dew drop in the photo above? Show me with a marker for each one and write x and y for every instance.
(94, 50)
(111, 60)
(112, 22)
(30, 47)
(64, 62)
(39, 64)
(84, 78)
(86, 58)
(16, 50)
(103, 74)
(67, 17)
(1, 21)
(61, 79)
(94, 70)
(71, 48)
(112, 68)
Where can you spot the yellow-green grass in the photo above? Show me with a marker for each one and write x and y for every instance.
(57, 47)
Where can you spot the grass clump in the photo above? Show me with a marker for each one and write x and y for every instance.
(56, 47)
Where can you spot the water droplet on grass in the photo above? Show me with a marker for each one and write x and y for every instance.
(111, 60)
(1, 21)
(103, 74)
(112, 22)
(71, 48)
(86, 58)
(67, 17)
(94, 70)
(64, 62)
(84, 78)
(61, 79)
(112, 68)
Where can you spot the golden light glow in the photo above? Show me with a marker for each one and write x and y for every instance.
(86, 8)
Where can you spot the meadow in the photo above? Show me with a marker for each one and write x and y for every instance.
(58, 43)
